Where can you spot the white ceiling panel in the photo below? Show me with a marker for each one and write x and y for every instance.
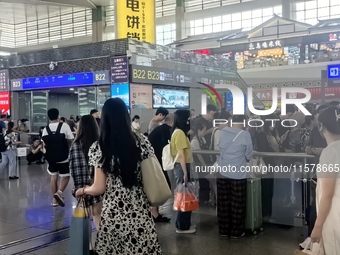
(20, 11)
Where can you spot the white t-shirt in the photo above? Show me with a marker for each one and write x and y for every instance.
(65, 129)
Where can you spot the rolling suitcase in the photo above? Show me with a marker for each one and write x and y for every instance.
(254, 206)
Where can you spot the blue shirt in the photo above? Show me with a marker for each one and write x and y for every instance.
(236, 148)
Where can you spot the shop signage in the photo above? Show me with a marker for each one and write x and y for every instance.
(153, 75)
(62, 80)
(5, 103)
(135, 19)
(265, 45)
(119, 70)
(4, 80)
(334, 37)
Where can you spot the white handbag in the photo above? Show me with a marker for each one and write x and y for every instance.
(312, 249)
(155, 185)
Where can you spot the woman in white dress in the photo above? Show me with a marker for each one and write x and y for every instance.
(327, 226)
(136, 125)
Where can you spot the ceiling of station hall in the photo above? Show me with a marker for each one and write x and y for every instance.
(20, 11)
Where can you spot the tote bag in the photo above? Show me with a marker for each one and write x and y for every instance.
(80, 230)
(155, 185)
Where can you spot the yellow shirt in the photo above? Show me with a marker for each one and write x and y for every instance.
(179, 141)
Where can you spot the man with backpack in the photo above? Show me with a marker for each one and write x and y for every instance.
(57, 137)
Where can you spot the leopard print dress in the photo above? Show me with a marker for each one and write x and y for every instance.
(126, 225)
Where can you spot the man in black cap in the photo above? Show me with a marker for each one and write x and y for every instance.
(95, 115)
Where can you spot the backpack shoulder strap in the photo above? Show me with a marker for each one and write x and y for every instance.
(49, 130)
(59, 128)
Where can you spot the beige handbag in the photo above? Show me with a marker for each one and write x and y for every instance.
(155, 185)
(312, 249)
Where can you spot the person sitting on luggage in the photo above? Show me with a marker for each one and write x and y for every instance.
(36, 154)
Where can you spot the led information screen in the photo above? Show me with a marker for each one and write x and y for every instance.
(119, 70)
(4, 80)
(63, 80)
(135, 19)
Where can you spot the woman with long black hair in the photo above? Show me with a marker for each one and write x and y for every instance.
(126, 225)
(9, 157)
(82, 173)
(180, 147)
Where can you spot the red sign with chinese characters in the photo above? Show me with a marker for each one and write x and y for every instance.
(5, 103)
(202, 52)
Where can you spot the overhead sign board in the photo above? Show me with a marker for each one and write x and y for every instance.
(119, 70)
(265, 45)
(135, 19)
(154, 75)
(62, 80)
(334, 72)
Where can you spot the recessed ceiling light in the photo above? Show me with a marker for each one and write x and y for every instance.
(71, 88)
(75, 92)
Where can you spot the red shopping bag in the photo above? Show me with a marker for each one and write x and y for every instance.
(185, 199)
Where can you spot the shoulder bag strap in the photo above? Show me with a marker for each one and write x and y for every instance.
(237, 135)
(176, 157)
(59, 128)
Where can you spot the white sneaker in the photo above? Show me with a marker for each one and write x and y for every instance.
(305, 243)
(189, 231)
(59, 198)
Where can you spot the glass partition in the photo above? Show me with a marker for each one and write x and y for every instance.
(39, 109)
(86, 100)
(103, 94)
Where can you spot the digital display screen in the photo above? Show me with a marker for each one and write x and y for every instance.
(170, 98)
(121, 91)
(58, 81)
(229, 102)
(62, 80)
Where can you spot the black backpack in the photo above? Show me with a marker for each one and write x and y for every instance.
(56, 145)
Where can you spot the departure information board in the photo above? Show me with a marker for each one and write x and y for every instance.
(62, 80)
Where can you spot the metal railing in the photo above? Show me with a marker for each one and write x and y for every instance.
(305, 178)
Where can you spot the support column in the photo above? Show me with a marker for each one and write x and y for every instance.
(180, 24)
(287, 9)
(98, 24)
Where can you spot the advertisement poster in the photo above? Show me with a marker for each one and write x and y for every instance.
(141, 96)
(5, 103)
(136, 20)
(122, 91)
(170, 98)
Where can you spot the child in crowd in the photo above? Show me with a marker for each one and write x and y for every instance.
(36, 154)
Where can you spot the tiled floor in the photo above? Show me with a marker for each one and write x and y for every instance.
(25, 212)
